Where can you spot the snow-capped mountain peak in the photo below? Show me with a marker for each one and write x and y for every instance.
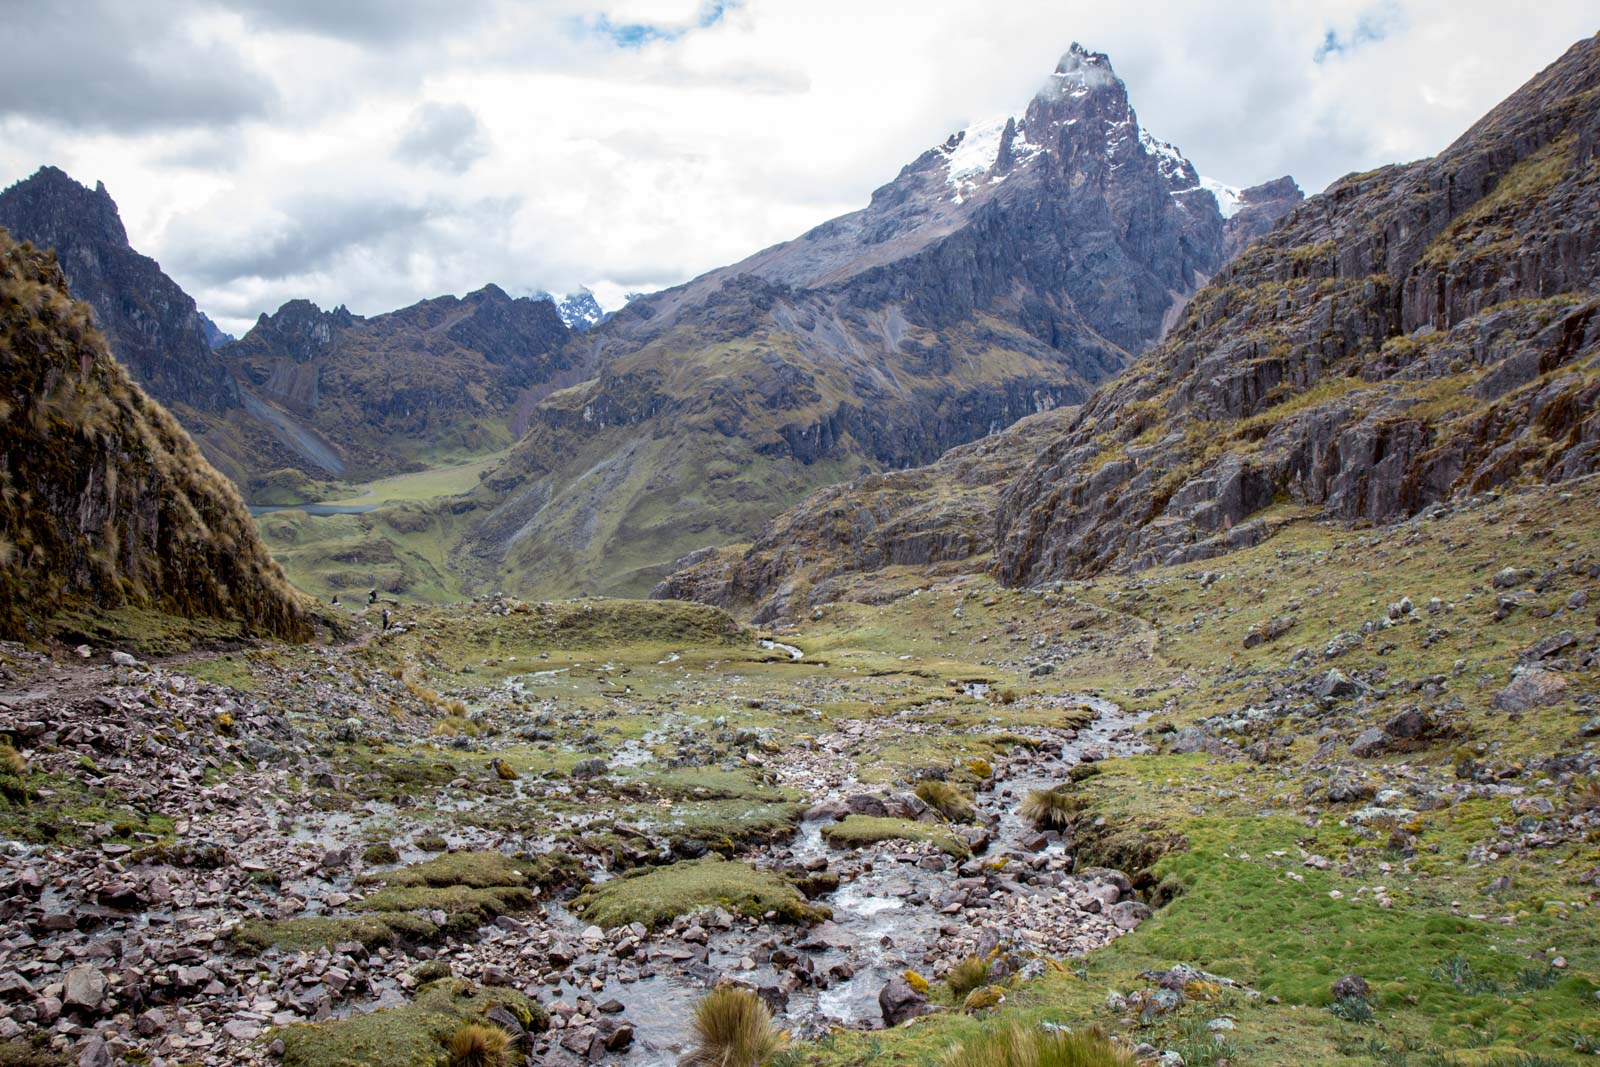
(578, 309)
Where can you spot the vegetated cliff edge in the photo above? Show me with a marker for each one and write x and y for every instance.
(104, 501)
(1413, 332)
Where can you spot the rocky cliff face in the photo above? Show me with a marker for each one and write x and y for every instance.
(1004, 272)
(151, 324)
(104, 500)
(1414, 332)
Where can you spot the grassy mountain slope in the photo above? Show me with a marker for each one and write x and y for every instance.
(105, 502)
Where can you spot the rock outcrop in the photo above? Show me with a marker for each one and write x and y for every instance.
(1004, 272)
(104, 500)
(1414, 332)
(151, 324)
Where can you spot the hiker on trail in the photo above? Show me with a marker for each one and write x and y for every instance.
(386, 619)
(336, 600)
(372, 597)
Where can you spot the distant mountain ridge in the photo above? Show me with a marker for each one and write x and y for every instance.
(306, 394)
(151, 324)
(1006, 271)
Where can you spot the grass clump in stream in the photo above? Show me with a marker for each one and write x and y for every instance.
(732, 1028)
(656, 896)
(858, 830)
(945, 799)
(480, 1045)
(420, 1034)
(1048, 809)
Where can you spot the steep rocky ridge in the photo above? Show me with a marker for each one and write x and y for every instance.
(1004, 272)
(150, 322)
(104, 501)
(356, 397)
(1413, 332)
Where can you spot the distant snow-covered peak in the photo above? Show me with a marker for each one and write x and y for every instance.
(1174, 167)
(579, 310)
(971, 154)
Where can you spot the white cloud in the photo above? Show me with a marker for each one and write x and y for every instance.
(378, 153)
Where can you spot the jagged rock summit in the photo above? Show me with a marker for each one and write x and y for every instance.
(1416, 331)
(104, 501)
(1006, 271)
(151, 324)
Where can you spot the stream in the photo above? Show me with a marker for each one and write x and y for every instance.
(886, 911)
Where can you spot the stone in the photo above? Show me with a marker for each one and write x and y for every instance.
(615, 1034)
(899, 1002)
(84, 989)
(1511, 577)
(1351, 985)
(1336, 685)
(1409, 725)
(96, 1053)
(1530, 688)
(1369, 742)
(122, 659)
(593, 767)
(1549, 646)
(1129, 914)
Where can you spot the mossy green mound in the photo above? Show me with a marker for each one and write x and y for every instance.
(482, 870)
(858, 830)
(320, 931)
(465, 909)
(416, 1035)
(658, 895)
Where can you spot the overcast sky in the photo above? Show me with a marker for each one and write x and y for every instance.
(376, 152)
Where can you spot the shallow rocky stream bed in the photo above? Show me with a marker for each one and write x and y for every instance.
(111, 947)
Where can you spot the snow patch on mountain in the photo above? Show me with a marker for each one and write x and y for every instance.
(975, 148)
(1229, 200)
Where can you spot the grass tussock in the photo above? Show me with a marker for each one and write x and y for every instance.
(945, 799)
(480, 1045)
(967, 975)
(1048, 809)
(732, 1028)
(1017, 1046)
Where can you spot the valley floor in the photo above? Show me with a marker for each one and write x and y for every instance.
(1364, 752)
